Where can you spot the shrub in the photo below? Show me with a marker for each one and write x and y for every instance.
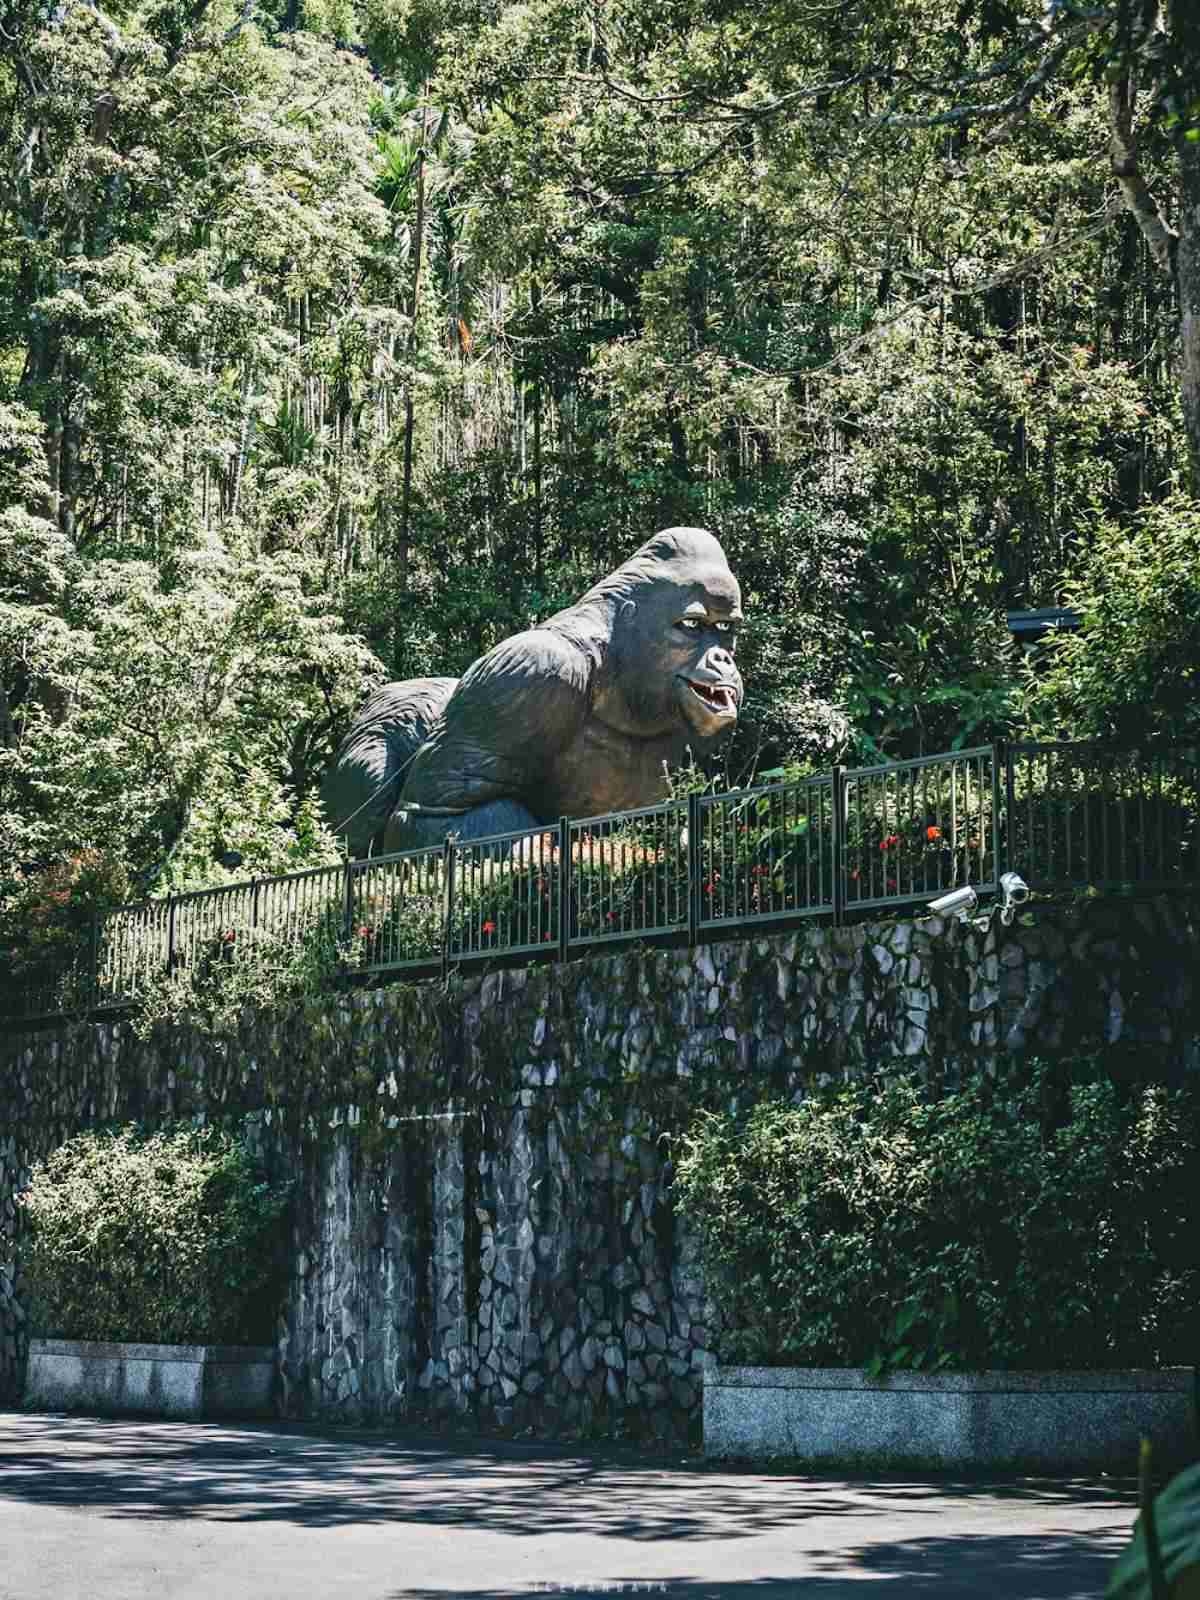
(228, 972)
(46, 926)
(886, 1229)
(1132, 671)
(167, 1238)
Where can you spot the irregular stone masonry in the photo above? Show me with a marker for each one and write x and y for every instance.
(483, 1221)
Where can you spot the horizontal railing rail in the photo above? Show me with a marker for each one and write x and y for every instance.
(838, 844)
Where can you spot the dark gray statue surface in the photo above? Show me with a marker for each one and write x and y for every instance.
(576, 717)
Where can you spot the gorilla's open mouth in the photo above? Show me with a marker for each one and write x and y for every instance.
(718, 697)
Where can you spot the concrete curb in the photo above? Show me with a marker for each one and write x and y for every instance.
(166, 1380)
(988, 1419)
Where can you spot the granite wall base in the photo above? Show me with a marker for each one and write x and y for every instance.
(161, 1380)
(977, 1420)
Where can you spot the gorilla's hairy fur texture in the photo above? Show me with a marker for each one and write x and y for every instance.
(576, 717)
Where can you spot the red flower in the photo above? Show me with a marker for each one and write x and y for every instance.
(229, 936)
(364, 932)
(489, 927)
(889, 841)
(933, 833)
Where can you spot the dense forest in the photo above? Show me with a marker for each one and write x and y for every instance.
(340, 338)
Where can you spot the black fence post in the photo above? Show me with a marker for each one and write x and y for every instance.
(564, 887)
(171, 903)
(94, 961)
(1010, 806)
(999, 834)
(449, 855)
(348, 903)
(693, 868)
(839, 846)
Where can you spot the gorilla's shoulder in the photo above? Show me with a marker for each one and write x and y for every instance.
(529, 694)
(538, 658)
(409, 700)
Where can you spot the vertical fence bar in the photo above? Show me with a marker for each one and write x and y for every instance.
(564, 887)
(693, 868)
(448, 853)
(839, 846)
(93, 981)
(1138, 773)
(1161, 859)
(999, 836)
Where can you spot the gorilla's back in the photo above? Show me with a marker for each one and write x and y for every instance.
(363, 787)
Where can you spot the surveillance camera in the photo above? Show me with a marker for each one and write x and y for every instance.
(959, 902)
(1014, 888)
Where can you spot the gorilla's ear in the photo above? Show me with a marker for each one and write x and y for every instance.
(628, 607)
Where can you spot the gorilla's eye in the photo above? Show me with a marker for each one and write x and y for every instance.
(723, 627)
(690, 623)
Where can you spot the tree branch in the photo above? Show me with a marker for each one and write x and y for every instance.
(945, 290)
(115, 37)
(1135, 192)
(1013, 108)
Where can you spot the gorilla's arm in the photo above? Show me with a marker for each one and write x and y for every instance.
(361, 789)
(504, 726)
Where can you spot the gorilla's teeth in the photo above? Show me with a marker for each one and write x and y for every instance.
(718, 695)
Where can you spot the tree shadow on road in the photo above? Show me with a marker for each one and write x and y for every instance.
(1070, 1565)
(249, 1474)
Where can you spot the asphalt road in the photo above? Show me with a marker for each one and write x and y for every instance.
(112, 1510)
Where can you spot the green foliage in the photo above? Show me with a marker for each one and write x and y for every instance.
(1133, 669)
(236, 971)
(195, 716)
(1177, 1520)
(693, 263)
(47, 927)
(1023, 1223)
(168, 1238)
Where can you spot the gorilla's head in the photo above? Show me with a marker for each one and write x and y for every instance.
(675, 609)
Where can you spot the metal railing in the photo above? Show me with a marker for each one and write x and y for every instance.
(839, 844)
(1103, 817)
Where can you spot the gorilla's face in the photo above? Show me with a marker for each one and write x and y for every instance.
(675, 650)
(708, 686)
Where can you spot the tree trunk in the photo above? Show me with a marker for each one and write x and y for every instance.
(404, 541)
(1188, 271)
(539, 555)
(8, 726)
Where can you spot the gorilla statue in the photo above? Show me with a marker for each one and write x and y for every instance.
(578, 716)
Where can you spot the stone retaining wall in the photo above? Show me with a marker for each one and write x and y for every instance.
(482, 1218)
